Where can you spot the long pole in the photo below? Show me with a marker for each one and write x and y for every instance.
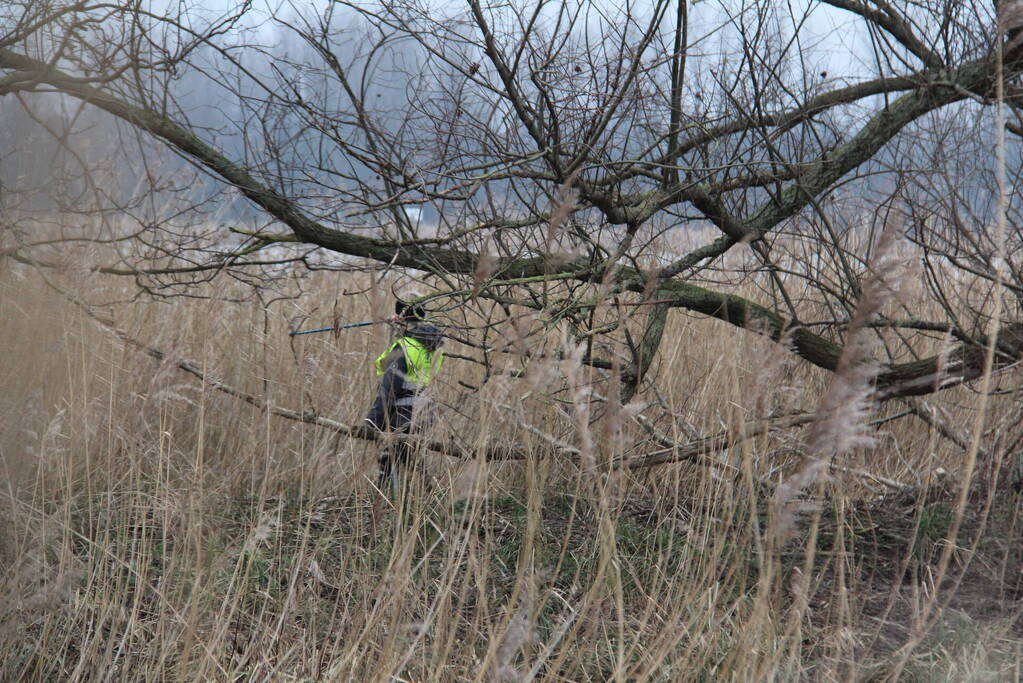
(336, 327)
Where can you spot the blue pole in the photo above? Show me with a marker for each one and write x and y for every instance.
(337, 327)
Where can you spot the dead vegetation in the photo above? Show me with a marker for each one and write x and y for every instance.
(162, 528)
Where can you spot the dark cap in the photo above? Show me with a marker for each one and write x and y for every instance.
(408, 310)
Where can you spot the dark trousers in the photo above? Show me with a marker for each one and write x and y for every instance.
(398, 455)
(395, 458)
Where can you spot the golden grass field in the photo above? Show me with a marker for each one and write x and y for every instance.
(157, 528)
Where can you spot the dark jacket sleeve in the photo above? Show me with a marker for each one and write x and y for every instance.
(383, 414)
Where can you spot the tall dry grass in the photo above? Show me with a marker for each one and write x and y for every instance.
(160, 529)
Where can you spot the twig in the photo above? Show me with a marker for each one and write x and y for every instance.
(928, 413)
(702, 449)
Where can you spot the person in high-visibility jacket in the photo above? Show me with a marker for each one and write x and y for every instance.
(406, 368)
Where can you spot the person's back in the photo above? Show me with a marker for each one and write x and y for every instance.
(406, 368)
